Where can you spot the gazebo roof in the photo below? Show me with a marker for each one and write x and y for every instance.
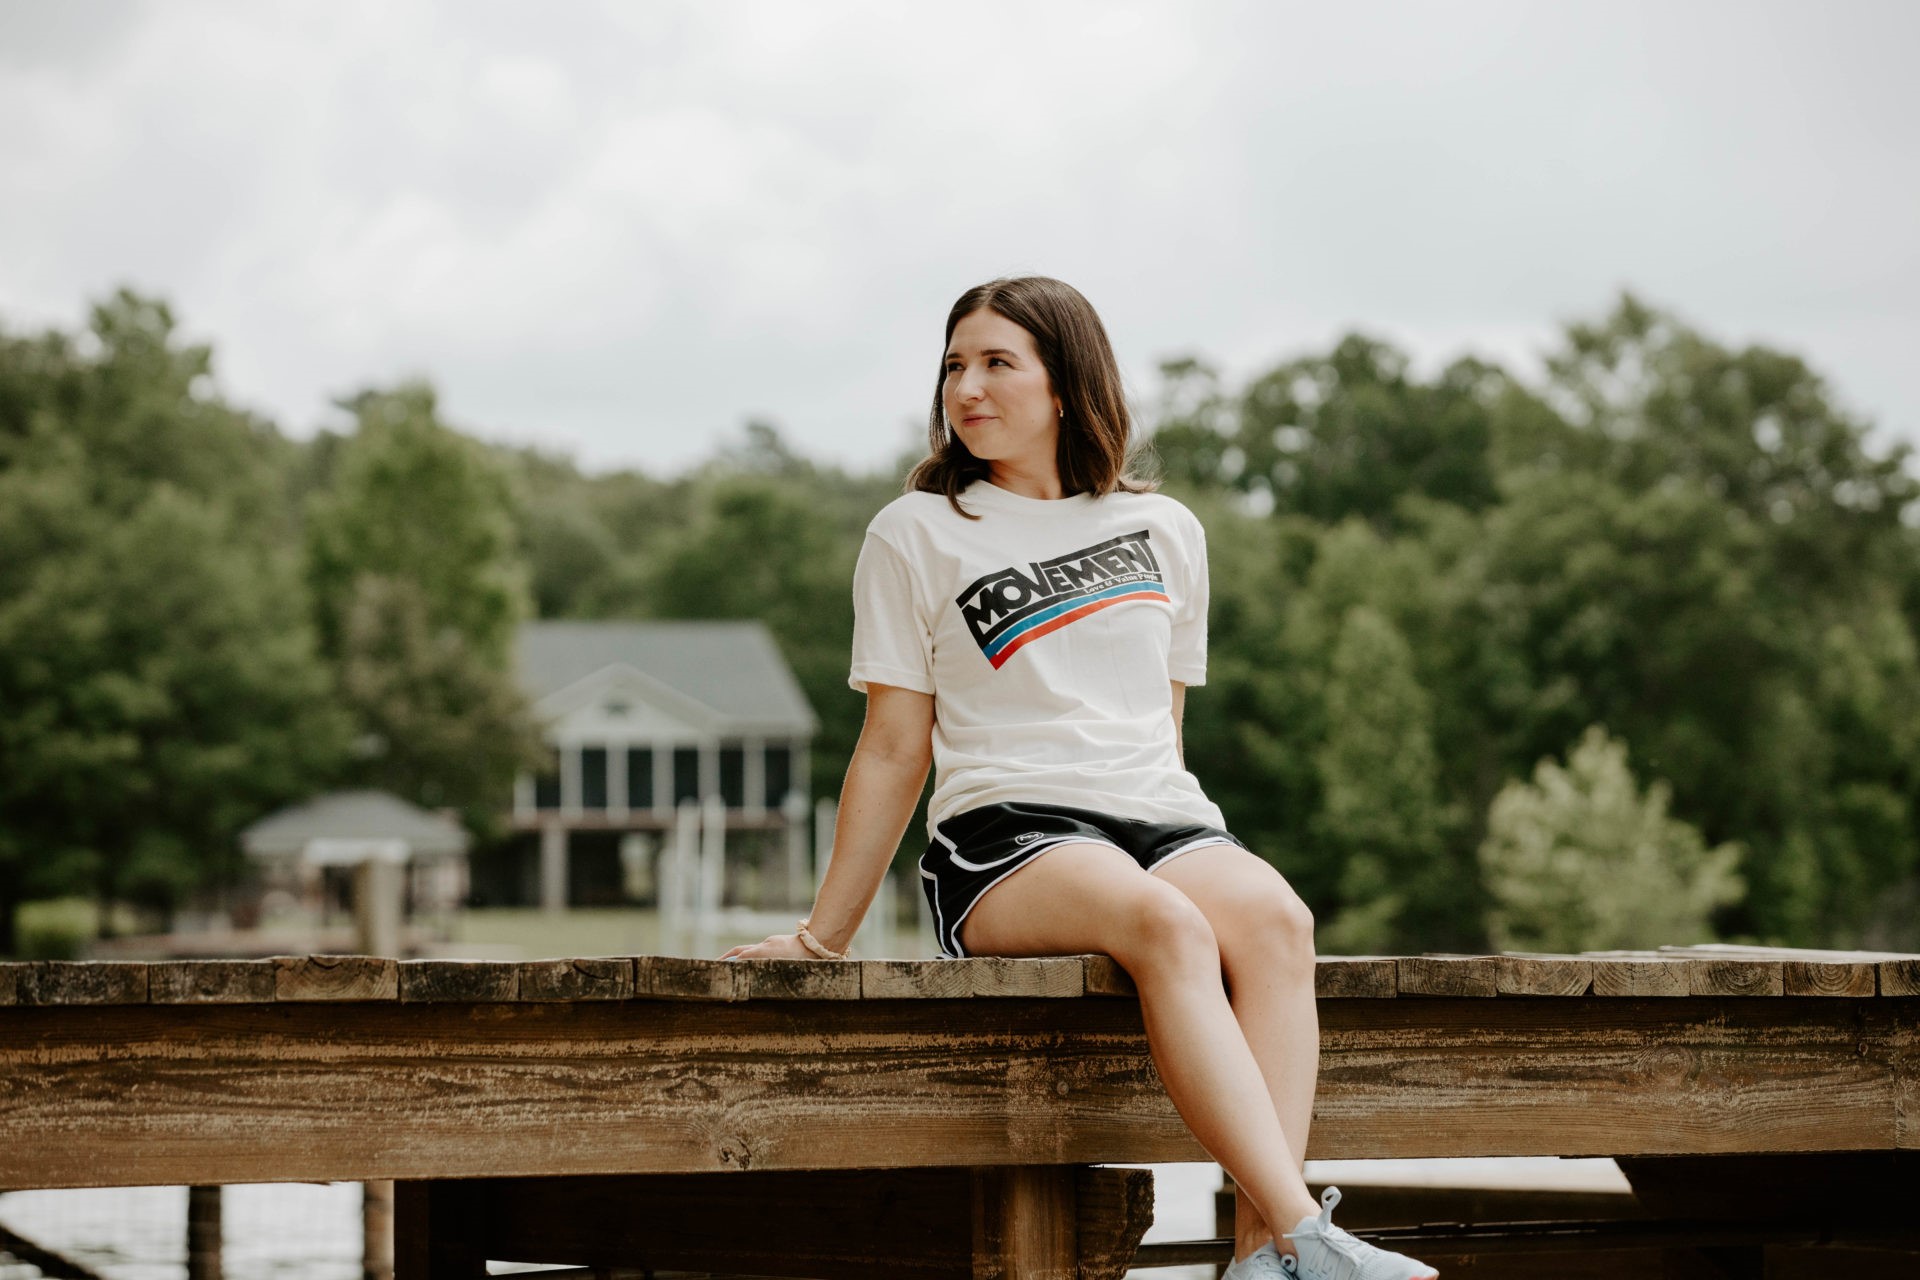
(355, 816)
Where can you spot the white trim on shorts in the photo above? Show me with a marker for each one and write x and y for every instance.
(1189, 847)
(1037, 848)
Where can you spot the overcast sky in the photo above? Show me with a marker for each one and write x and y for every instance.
(619, 230)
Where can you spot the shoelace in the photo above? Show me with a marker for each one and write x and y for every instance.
(1348, 1246)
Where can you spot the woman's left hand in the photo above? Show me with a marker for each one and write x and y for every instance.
(781, 946)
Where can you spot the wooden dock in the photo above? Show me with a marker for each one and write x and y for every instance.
(944, 1118)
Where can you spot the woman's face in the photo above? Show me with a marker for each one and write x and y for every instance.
(997, 395)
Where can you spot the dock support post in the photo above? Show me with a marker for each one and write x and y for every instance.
(203, 1233)
(1024, 1224)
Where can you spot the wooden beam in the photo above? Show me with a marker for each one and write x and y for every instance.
(82, 982)
(324, 978)
(973, 977)
(909, 1224)
(1641, 978)
(585, 978)
(435, 1235)
(1024, 1224)
(1825, 978)
(1850, 1189)
(1358, 977)
(322, 1090)
(459, 981)
(1535, 976)
(210, 981)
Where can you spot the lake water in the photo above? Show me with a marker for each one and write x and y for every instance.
(309, 1231)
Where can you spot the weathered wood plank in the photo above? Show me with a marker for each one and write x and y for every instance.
(10, 982)
(1826, 978)
(1735, 978)
(675, 978)
(801, 979)
(1683, 1088)
(321, 1091)
(211, 982)
(1115, 1208)
(1904, 1062)
(891, 1224)
(1356, 977)
(336, 978)
(1476, 976)
(447, 981)
(1832, 1189)
(435, 1233)
(56, 982)
(1023, 1224)
(1899, 977)
(582, 978)
(858, 1224)
(1741, 951)
(974, 976)
(1541, 976)
(1642, 978)
(1103, 976)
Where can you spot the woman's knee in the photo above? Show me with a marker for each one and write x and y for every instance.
(1162, 926)
(1270, 926)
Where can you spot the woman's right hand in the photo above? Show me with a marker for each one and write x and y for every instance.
(781, 946)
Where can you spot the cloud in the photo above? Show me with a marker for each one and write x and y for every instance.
(622, 229)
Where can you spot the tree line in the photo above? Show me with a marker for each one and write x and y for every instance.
(1621, 654)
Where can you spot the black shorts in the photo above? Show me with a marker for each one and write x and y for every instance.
(975, 850)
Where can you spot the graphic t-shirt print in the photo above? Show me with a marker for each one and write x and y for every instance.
(1010, 607)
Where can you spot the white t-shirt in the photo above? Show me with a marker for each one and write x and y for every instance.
(1047, 633)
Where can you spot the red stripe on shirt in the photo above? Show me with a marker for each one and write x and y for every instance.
(1054, 624)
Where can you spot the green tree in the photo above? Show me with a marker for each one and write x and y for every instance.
(438, 723)
(1350, 433)
(161, 688)
(414, 499)
(1381, 812)
(413, 558)
(1580, 859)
(156, 662)
(759, 548)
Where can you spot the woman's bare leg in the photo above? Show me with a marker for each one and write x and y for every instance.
(1164, 942)
(1265, 934)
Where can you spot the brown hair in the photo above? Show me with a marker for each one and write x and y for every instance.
(1096, 431)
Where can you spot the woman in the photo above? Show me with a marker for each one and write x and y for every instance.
(1027, 619)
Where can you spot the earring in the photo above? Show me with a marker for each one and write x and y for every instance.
(1063, 412)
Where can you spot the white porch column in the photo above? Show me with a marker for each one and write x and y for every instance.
(570, 780)
(553, 865)
(753, 776)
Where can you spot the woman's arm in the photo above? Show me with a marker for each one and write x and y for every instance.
(883, 784)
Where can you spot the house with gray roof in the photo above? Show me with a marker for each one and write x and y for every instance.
(641, 717)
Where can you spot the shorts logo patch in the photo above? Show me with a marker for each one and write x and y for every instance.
(1028, 838)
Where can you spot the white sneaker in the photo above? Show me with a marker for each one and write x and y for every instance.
(1264, 1263)
(1327, 1252)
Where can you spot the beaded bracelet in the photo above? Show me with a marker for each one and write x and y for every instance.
(819, 948)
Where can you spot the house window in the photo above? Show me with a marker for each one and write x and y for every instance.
(733, 776)
(779, 774)
(639, 778)
(593, 777)
(686, 774)
(546, 783)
